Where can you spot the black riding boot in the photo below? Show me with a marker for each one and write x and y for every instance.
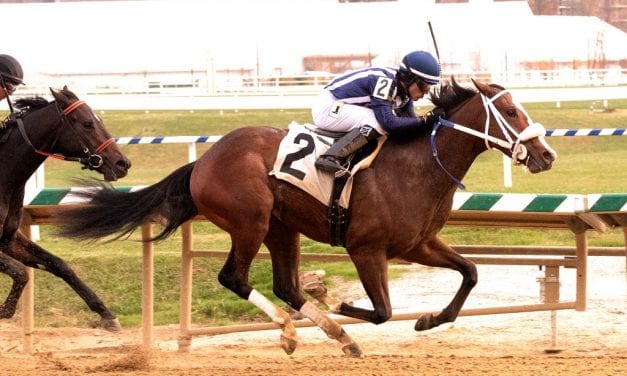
(332, 160)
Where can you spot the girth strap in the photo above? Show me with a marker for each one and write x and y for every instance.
(338, 216)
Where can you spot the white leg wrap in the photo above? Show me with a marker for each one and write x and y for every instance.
(311, 312)
(266, 305)
(330, 327)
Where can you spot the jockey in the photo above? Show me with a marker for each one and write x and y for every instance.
(371, 102)
(11, 75)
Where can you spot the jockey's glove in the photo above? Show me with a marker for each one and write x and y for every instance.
(432, 116)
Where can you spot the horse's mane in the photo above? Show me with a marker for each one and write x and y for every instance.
(32, 103)
(450, 95)
(24, 105)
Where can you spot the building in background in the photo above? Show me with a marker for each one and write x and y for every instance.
(613, 12)
(218, 46)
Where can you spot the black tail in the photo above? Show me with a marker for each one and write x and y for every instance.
(113, 212)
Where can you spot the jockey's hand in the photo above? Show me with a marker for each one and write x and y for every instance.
(432, 116)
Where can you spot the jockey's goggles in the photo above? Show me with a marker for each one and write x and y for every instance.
(423, 86)
(10, 88)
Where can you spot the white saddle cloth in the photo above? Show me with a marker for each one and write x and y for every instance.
(295, 163)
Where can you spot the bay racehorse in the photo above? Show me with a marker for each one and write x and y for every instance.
(68, 129)
(397, 206)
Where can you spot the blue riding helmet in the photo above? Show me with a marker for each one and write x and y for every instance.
(419, 66)
(11, 70)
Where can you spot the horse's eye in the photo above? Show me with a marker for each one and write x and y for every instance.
(511, 113)
(88, 124)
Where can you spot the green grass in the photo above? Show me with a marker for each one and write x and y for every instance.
(113, 270)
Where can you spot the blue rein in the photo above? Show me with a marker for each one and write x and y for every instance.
(434, 150)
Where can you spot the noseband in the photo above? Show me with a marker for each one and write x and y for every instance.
(90, 161)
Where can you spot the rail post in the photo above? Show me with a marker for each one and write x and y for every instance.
(552, 295)
(147, 285)
(28, 302)
(185, 339)
(582, 270)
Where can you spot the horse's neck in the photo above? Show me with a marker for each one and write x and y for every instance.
(42, 126)
(456, 151)
(19, 160)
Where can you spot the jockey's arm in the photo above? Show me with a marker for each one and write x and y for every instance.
(407, 110)
(392, 123)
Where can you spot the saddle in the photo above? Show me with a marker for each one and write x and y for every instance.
(295, 160)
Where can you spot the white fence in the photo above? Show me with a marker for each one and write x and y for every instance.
(198, 83)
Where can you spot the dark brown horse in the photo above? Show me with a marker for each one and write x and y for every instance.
(65, 129)
(397, 207)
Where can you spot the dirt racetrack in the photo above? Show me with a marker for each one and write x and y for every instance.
(593, 342)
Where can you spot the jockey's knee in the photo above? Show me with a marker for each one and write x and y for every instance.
(371, 133)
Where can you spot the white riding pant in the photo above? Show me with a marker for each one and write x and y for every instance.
(333, 115)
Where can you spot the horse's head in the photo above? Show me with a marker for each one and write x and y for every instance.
(83, 137)
(517, 136)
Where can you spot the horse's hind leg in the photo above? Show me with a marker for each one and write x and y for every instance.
(371, 266)
(234, 276)
(31, 254)
(437, 253)
(284, 246)
(17, 272)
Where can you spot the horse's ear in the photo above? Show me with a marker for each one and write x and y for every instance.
(56, 94)
(483, 88)
(62, 96)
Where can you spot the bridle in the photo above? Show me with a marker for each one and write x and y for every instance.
(91, 161)
(513, 139)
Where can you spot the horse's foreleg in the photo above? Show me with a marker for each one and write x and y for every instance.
(284, 246)
(289, 338)
(33, 255)
(437, 253)
(234, 276)
(17, 272)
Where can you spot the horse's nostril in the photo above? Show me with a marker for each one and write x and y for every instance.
(548, 156)
(123, 164)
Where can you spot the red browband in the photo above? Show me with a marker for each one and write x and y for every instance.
(68, 110)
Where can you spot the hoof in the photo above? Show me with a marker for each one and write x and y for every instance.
(288, 344)
(111, 325)
(424, 322)
(352, 350)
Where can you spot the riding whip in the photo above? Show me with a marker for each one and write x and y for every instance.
(435, 44)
